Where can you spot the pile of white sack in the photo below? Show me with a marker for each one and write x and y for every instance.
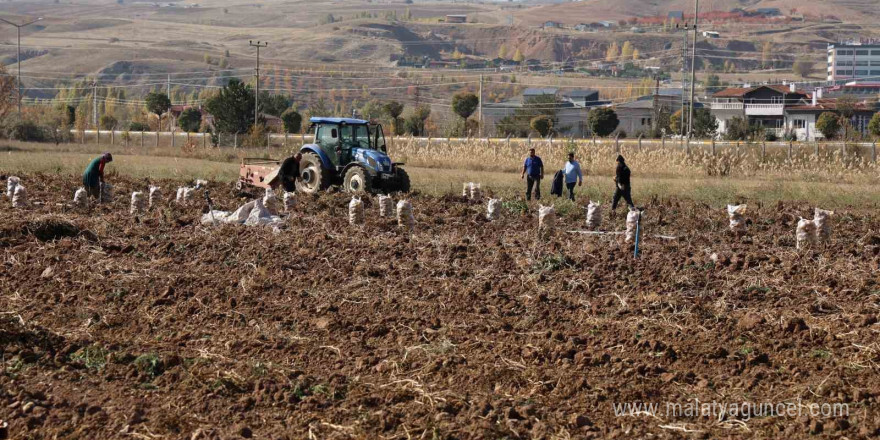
(252, 213)
(594, 215)
(737, 219)
(289, 201)
(155, 196)
(16, 192)
(11, 183)
(106, 192)
(185, 195)
(81, 198)
(271, 202)
(816, 230)
(472, 191)
(632, 222)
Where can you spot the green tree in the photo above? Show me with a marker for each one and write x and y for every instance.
(829, 125)
(190, 120)
(465, 104)
(803, 67)
(846, 108)
(874, 126)
(542, 124)
(705, 125)
(107, 122)
(738, 129)
(602, 121)
(713, 83)
(415, 123)
(233, 107)
(273, 104)
(394, 109)
(292, 120)
(158, 104)
(138, 126)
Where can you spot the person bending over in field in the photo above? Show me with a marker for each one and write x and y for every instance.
(93, 177)
(289, 172)
(533, 172)
(622, 189)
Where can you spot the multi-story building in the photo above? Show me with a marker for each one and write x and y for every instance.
(854, 61)
(782, 110)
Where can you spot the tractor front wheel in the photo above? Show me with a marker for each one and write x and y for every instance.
(357, 180)
(312, 176)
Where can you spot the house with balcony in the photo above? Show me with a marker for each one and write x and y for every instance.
(783, 109)
(761, 105)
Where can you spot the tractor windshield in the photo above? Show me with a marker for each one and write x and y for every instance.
(357, 136)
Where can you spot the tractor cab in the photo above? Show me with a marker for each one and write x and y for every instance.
(352, 153)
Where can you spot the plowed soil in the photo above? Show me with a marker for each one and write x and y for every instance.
(115, 326)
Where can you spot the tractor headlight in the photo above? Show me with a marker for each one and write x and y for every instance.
(373, 164)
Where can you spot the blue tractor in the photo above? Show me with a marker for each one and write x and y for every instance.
(351, 153)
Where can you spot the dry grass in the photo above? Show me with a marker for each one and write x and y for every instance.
(830, 180)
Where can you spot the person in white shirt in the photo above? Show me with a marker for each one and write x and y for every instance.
(573, 175)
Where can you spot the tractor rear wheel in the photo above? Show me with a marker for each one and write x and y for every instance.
(403, 183)
(357, 180)
(313, 178)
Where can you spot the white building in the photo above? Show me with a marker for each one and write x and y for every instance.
(853, 61)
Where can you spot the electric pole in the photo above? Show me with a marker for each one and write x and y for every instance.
(684, 66)
(693, 69)
(18, 27)
(480, 114)
(258, 45)
(95, 104)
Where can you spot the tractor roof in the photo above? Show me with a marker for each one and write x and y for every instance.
(348, 121)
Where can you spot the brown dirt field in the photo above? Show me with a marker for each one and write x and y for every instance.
(157, 327)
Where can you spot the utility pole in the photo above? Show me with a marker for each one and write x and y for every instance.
(18, 27)
(168, 86)
(95, 104)
(480, 114)
(258, 45)
(684, 53)
(693, 69)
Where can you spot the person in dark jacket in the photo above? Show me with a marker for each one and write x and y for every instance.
(534, 168)
(94, 175)
(621, 180)
(289, 172)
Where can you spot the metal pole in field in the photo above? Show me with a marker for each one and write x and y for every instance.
(258, 45)
(693, 69)
(18, 80)
(480, 114)
(95, 104)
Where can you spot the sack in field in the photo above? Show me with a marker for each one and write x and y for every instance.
(806, 233)
(81, 198)
(201, 184)
(355, 211)
(632, 221)
(476, 192)
(241, 214)
(466, 189)
(546, 219)
(106, 192)
(737, 219)
(271, 202)
(155, 196)
(386, 206)
(822, 220)
(493, 210)
(19, 197)
(594, 215)
(405, 217)
(137, 203)
(259, 215)
(289, 201)
(11, 183)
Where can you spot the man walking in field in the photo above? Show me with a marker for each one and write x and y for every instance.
(621, 180)
(573, 175)
(93, 177)
(533, 172)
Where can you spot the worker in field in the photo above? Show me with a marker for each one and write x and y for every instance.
(93, 177)
(573, 175)
(289, 172)
(622, 184)
(533, 172)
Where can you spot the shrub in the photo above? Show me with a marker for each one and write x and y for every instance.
(542, 124)
(292, 120)
(829, 125)
(138, 126)
(26, 131)
(874, 126)
(602, 121)
(190, 120)
(107, 122)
